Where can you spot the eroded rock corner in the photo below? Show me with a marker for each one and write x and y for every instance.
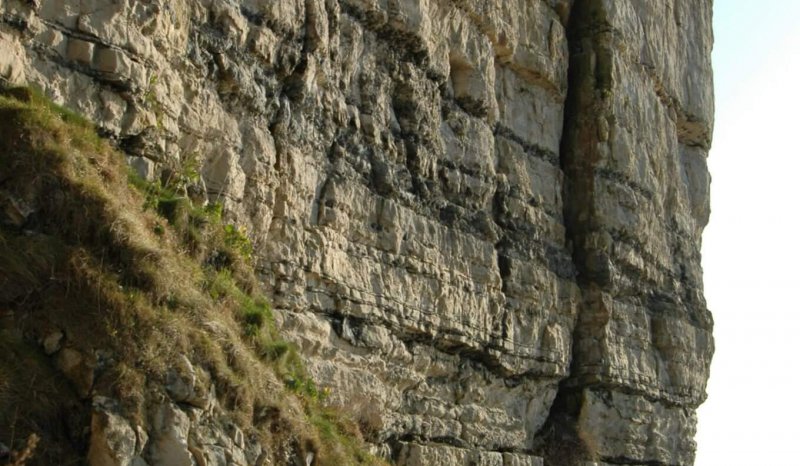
(479, 221)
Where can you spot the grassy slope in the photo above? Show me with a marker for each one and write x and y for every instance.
(140, 274)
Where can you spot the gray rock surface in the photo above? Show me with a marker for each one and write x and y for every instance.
(480, 221)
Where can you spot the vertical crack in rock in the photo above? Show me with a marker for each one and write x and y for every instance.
(559, 441)
(634, 212)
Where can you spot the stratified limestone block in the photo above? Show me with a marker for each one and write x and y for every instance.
(630, 426)
(414, 453)
(462, 210)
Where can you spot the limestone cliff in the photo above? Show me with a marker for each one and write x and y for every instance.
(479, 221)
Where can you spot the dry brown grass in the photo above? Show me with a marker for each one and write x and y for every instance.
(122, 279)
(21, 458)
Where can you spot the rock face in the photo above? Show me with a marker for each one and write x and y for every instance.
(480, 221)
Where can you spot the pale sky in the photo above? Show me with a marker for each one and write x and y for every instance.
(750, 248)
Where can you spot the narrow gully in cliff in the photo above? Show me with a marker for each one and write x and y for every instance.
(560, 441)
(637, 349)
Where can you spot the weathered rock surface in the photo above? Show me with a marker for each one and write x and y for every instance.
(474, 218)
(174, 434)
(636, 138)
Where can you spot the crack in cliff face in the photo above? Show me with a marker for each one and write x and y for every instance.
(656, 290)
(558, 441)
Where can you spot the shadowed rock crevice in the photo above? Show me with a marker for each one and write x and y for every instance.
(631, 281)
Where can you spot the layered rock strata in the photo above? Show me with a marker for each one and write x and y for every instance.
(480, 221)
(637, 133)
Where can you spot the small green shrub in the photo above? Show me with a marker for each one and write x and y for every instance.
(213, 212)
(151, 101)
(237, 239)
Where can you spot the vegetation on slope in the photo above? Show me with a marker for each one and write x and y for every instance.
(139, 276)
